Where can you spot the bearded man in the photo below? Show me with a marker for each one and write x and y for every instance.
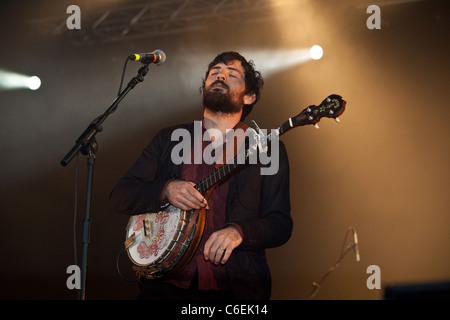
(246, 213)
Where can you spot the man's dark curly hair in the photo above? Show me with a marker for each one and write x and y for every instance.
(253, 79)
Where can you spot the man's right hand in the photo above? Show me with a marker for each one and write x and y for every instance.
(183, 195)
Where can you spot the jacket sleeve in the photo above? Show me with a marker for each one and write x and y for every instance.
(272, 224)
(139, 190)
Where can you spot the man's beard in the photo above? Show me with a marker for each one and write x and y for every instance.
(221, 102)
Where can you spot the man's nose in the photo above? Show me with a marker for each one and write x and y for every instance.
(220, 76)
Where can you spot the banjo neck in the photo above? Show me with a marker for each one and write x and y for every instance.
(331, 107)
(225, 170)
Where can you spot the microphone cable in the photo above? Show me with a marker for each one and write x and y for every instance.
(118, 266)
(75, 196)
(123, 74)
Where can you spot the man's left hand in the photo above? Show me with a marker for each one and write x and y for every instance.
(220, 245)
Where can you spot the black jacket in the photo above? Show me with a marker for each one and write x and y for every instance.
(259, 204)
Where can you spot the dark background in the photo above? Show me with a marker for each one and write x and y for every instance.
(383, 170)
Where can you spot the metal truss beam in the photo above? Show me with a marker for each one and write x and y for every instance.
(159, 18)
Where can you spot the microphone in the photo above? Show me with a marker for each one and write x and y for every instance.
(157, 57)
(356, 245)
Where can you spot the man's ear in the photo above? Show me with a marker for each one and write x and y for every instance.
(249, 98)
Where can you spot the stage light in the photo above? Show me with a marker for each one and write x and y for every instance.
(11, 80)
(34, 82)
(316, 52)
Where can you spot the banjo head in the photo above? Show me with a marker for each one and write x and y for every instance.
(151, 235)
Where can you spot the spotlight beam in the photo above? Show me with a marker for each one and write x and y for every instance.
(12, 80)
(272, 61)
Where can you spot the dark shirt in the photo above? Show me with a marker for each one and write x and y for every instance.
(210, 276)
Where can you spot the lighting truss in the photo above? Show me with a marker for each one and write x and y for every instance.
(159, 18)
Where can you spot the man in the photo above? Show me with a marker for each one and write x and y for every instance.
(247, 212)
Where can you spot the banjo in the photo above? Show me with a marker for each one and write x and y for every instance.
(162, 243)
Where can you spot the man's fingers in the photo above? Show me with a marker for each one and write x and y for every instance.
(220, 245)
(183, 195)
(219, 254)
(226, 255)
(215, 253)
(211, 247)
(195, 197)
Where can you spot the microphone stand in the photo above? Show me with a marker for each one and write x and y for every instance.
(316, 285)
(87, 145)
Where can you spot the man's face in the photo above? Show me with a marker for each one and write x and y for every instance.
(224, 88)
